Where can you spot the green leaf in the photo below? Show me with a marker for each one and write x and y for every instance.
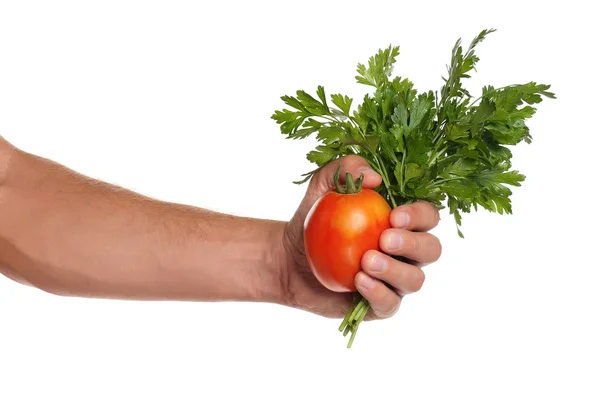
(373, 143)
(360, 119)
(385, 98)
(457, 133)
(462, 167)
(484, 111)
(404, 88)
(322, 97)
(370, 110)
(322, 155)
(343, 102)
(284, 116)
(419, 110)
(331, 134)
(293, 102)
(312, 105)
(457, 218)
(462, 188)
(388, 143)
(460, 65)
(412, 171)
(400, 116)
(512, 177)
(379, 67)
(307, 176)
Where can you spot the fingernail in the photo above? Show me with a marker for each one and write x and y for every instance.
(378, 264)
(394, 241)
(402, 220)
(366, 281)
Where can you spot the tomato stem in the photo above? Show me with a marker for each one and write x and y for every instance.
(351, 186)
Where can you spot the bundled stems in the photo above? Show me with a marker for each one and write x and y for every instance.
(357, 312)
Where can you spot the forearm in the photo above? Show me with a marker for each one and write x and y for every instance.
(71, 235)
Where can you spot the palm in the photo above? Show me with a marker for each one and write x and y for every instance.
(304, 290)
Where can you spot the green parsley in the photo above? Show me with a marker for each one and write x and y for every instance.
(445, 146)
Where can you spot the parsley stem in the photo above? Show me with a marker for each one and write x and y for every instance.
(436, 155)
(402, 172)
(379, 168)
(355, 315)
(347, 329)
(386, 180)
(441, 181)
(330, 118)
(346, 320)
(352, 338)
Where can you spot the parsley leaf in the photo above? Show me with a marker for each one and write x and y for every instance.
(343, 102)
(441, 146)
(379, 67)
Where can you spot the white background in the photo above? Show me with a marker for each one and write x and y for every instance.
(173, 99)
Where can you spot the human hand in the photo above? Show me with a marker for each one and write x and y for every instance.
(384, 280)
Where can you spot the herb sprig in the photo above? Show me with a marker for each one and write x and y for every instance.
(445, 147)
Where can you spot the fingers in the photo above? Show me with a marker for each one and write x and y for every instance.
(403, 277)
(418, 216)
(322, 181)
(383, 301)
(421, 247)
(384, 280)
(378, 268)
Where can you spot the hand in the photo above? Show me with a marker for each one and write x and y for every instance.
(383, 280)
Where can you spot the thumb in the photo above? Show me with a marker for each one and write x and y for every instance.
(322, 181)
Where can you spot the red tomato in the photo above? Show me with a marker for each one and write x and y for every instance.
(338, 230)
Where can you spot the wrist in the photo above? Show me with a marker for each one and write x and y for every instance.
(273, 288)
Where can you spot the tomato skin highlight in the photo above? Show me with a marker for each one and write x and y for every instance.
(339, 230)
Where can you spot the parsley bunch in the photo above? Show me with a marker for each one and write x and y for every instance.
(445, 147)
